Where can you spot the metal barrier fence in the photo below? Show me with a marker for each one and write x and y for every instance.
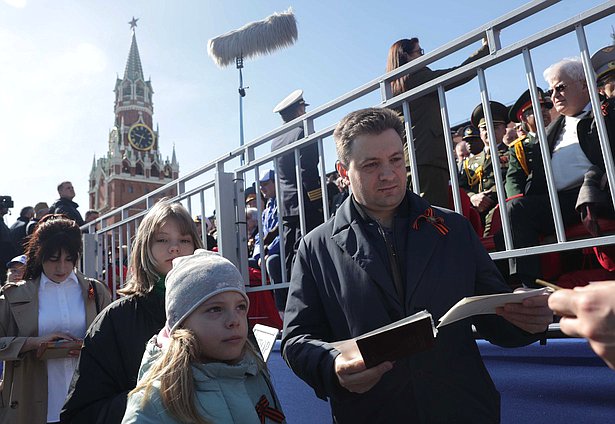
(222, 181)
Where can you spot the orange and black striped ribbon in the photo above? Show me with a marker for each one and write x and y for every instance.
(265, 411)
(436, 221)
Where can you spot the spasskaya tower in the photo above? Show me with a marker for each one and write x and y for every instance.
(133, 165)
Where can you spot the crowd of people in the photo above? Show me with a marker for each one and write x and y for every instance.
(13, 240)
(176, 346)
(572, 139)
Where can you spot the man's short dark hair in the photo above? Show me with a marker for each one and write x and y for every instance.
(61, 184)
(24, 211)
(371, 121)
(91, 212)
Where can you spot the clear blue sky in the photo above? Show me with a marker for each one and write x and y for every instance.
(60, 59)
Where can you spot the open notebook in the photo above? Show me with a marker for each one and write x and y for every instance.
(417, 332)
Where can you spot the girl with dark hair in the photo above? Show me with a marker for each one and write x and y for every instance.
(52, 305)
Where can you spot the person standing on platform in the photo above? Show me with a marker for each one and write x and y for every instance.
(292, 107)
(40, 210)
(65, 204)
(385, 255)
(18, 229)
(7, 248)
(429, 145)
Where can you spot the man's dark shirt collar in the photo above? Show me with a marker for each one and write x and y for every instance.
(402, 211)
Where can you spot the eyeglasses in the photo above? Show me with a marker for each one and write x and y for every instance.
(560, 87)
(420, 51)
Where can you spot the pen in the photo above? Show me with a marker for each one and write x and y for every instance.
(547, 284)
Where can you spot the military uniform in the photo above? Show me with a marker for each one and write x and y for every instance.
(522, 155)
(525, 150)
(288, 197)
(477, 176)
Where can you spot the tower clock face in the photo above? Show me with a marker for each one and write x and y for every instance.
(141, 137)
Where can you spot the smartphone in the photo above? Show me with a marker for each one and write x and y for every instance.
(57, 349)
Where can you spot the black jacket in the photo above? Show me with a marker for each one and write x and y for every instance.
(287, 170)
(68, 208)
(110, 359)
(18, 234)
(7, 248)
(342, 286)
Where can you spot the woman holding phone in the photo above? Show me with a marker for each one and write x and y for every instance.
(39, 317)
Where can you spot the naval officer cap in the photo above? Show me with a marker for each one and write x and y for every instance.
(499, 114)
(293, 98)
(603, 61)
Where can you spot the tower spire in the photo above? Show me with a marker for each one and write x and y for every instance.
(133, 71)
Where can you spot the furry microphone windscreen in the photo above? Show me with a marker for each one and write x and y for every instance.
(254, 39)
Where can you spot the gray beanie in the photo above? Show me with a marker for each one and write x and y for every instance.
(196, 278)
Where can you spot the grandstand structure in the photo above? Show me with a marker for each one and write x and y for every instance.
(220, 184)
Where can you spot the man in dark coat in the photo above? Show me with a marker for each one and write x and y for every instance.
(7, 248)
(385, 255)
(40, 210)
(18, 229)
(291, 108)
(575, 149)
(65, 204)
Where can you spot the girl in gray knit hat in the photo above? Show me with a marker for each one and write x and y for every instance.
(114, 345)
(201, 368)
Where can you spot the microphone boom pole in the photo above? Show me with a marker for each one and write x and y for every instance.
(255, 39)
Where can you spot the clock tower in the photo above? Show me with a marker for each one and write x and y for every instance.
(133, 165)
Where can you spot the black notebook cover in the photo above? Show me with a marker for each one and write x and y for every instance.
(396, 342)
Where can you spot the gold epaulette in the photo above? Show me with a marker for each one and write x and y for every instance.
(315, 194)
(517, 145)
(475, 177)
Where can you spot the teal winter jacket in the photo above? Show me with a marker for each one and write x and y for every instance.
(223, 393)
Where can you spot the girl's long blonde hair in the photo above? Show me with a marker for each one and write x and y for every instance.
(143, 268)
(174, 371)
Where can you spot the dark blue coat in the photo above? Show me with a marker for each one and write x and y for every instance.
(341, 287)
(287, 170)
(68, 208)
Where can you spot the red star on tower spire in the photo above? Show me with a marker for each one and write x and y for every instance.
(133, 23)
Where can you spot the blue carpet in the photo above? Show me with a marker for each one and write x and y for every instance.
(560, 383)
